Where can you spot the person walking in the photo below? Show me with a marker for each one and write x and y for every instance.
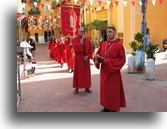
(33, 44)
(111, 57)
(27, 46)
(83, 52)
(61, 52)
(69, 54)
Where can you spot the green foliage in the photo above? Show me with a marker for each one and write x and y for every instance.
(138, 43)
(99, 25)
(55, 4)
(139, 37)
(133, 45)
(151, 49)
(88, 27)
(96, 24)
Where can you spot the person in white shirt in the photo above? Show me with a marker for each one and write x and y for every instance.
(27, 46)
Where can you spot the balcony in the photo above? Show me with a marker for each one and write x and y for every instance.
(34, 12)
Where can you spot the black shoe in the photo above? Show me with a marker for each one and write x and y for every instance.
(112, 111)
(105, 110)
(72, 70)
(88, 90)
(61, 65)
(75, 92)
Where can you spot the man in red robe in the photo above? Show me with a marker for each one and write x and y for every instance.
(69, 55)
(83, 52)
(51, 47)
(111, 57)
(61, 53)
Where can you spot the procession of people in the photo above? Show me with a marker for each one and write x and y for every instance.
(109, 57)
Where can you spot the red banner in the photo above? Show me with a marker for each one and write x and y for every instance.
(70, 19)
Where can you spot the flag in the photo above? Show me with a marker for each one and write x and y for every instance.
(75, 1)
(42, 5)
(70, 19)
(91, 2)
(27, 1)
(133, 3)
(153, 2)
(160, 1)
(125, 3)
(100, 2)
(116, 3)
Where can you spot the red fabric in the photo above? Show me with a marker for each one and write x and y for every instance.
(27, 1)
(52, 51)
(82, 75)
(42, 5)
(84, 1)
(111, 87)
(55, 51)
(69, 54)
(70, 19)
(51, 47)
(61, 54)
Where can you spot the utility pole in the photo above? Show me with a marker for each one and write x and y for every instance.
(144, 23)
(83, 11)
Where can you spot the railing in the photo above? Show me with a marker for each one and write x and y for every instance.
(18, 84)
(34, 13)
(31, 1)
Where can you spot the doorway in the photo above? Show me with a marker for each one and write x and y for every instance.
(47, 35)
(36, 37)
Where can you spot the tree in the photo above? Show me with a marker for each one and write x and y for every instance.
(101, 26)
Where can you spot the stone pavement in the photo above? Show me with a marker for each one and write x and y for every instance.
(50, 89)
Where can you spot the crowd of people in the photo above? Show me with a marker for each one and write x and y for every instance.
(62, 51)
(109, 58)
(77, 52)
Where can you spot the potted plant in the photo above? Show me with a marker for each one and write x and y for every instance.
(138, 51)
(137, 44)
(151, 50)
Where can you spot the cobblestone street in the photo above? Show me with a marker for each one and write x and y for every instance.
(50, 89)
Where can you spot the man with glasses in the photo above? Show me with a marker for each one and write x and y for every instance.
(83, 52)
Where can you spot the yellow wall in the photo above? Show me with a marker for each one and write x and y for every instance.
(40, 32)
(114, 17)
(127, 23)
(157, 21)
(43, 13)
(156, 18)
(102, 15)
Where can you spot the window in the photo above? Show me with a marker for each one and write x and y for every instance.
(47, 8)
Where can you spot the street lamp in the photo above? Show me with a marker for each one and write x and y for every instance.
(144, 23)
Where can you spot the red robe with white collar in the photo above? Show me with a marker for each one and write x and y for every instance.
(111, 87)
